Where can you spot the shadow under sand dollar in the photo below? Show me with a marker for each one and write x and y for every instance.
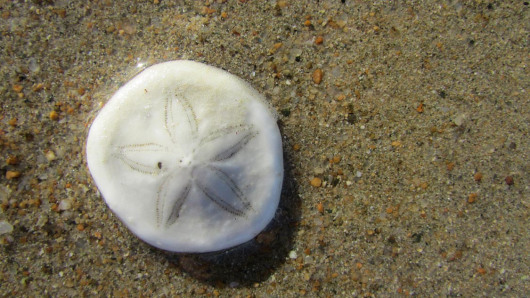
(255, 260)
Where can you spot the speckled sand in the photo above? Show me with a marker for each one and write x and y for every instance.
(406, 142)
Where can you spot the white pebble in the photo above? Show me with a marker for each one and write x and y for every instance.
(5, 227)
(65, 204)
(292, 254)
(50, 155)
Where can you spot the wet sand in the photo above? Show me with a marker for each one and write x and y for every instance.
(405, 133)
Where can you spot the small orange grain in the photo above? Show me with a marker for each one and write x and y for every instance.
(296, 147)
(450, 165)
(419, 109)
(340, 97)
(307, 23)
(17, 88)
(11, 160)
(316, 182)
(12, 174)
(207, 10)
(389, 210)
(319, 40)
(38, 87)
(54, 115)
(80, 227)
(320, 207)
(336, 159)
(81, 91)
(472, 198)
(317, 76)
(13, 122)
(477, 176)
(359, 265)
(481, 271)
(281, 4)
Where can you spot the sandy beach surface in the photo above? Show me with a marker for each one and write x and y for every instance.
(406, 144)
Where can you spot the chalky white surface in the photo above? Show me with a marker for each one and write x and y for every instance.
(189, 157)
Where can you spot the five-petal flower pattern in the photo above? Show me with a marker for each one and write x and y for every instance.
(202, 166)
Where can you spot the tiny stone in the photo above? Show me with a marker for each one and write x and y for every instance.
(54, 115)
(316, 182)
(319, 40)
(12, 174)
(478, 176)
(292, 254)
(472, 198)
(12, 160)
(12, 122)
(18, 88)
(319, 171)
(5, 227)
(317, 76)
(50, 155)
(459, 120)
(509, 180)
(65, 204)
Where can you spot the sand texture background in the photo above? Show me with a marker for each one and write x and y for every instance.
(406, 142)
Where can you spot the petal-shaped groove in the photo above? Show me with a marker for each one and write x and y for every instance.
(175, 199)
(232, 185)
(221, 132)
(222, 190)
(244, 138)
(170, 119)
(124, 154)
(177, 205)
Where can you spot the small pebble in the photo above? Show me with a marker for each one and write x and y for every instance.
(320, 207)
(477, 176)
(317, 76)
(316, 182)
(319, 40)
(18, 88)
(54, 115)
(472, 198)
(65, 204)
(12, 174)
(50, 155)
(5, 227)
(11, 160)
(293, 255)
(509, 180)
(12, 122)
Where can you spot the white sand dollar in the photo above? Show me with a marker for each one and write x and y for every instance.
(188, 156)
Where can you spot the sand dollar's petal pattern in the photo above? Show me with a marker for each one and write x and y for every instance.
(189, 157)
